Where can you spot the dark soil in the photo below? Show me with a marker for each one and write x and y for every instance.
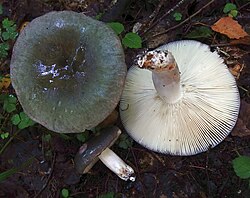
(50, 165)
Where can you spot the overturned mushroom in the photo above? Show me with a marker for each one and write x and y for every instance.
(98, 148)
(68, 71)
(182, 102)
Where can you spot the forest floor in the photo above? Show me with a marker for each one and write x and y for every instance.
(43, 160)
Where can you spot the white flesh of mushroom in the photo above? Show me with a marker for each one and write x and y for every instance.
(165, 74)
(117, 165)
(186, 112)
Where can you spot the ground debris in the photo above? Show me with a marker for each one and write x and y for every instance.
(242, 128)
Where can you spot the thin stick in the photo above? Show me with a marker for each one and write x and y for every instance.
(186, 20)
(9, 141)
(199, 167)
(244, 89)
(137, 169)
(248, 3)
(49, 178)
(163, 16)
(155, 13)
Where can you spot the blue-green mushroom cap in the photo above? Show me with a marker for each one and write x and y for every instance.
(68, 71)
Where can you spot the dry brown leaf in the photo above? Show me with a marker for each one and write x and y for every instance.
(5, 82)
(229, 27)
(236, 69)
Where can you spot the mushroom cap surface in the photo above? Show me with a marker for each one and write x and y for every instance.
(68, 71)
(201, 119)
(88, 153)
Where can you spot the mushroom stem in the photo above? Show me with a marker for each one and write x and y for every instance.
(98, 148)
(167, 84)
(165, 74)
(117, 165)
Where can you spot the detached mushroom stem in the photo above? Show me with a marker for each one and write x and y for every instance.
(98, 148)
(117, 165)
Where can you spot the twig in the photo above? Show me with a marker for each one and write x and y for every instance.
(154, 14)
(9, 141)
(200, 167)
(186, 20)
(246, 4)
(244, 89)
(49, 177)
(137, 170)
(163, 16)
(222, 44)
(158, 158)
(114, 13)
(208, 178)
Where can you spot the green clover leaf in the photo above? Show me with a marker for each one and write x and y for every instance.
(9, 104)
(132, 40)
(117, 27)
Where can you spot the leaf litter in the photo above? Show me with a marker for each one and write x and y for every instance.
(209, 174)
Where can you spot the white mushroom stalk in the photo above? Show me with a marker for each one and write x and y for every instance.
(98, 148)
(117, 165)
(165, 74)
(181, 100)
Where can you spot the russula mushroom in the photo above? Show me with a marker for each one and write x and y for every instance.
(98, 148)
(181, 100)
(68, 71)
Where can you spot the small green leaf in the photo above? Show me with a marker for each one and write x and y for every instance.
(25, 121)
(233, 13)
(177, 16)
(12, 99)
(47, 138)
(117, 27)
(65, 193)
(125, 141)
(4, 47)
(23, 116)
(9, 107)
(200, 32)
(123, 145)
(22, 125)
(9, 104)
(15, 119)
(10, 30)
(132, 40)
(82, 136)
(31, 122)
(98, 16)
(9, 35)
(4, 135)
(228, 7)
(7, 23)
(107, 195)
(3, 54)
(241, 167)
